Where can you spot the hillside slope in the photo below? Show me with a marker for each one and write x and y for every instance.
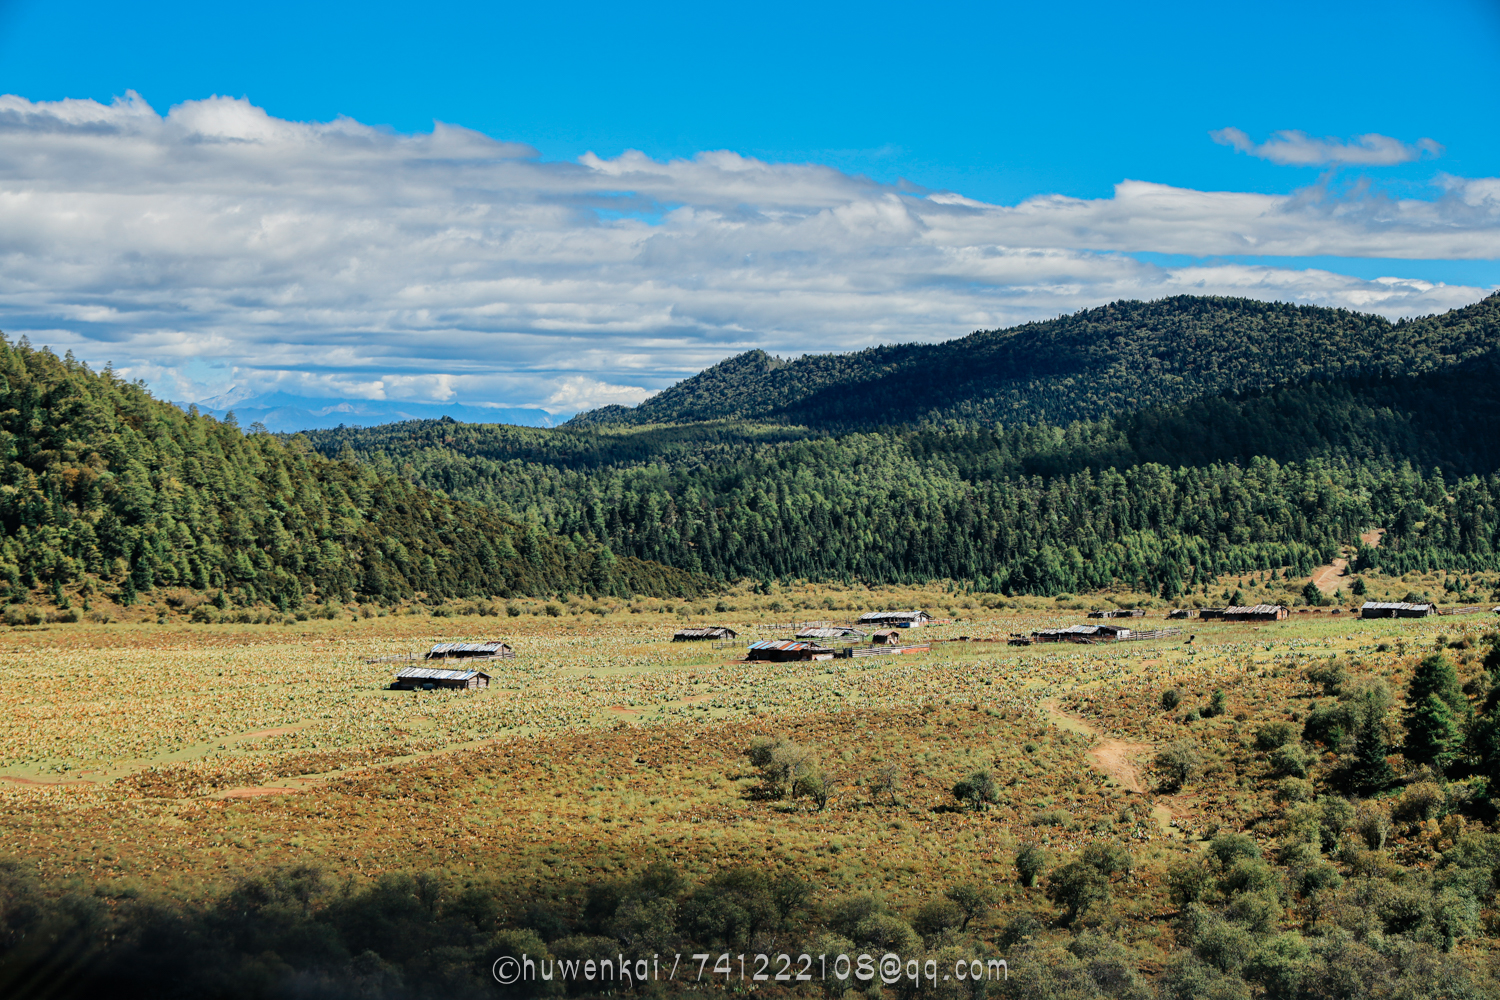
(99, 480)
(1113, 359)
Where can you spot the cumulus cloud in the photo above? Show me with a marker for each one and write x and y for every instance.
(1298, 149)
(218, 246)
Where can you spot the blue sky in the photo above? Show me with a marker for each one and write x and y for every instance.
(1002, 104)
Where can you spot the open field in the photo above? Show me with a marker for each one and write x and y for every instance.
(178, 760)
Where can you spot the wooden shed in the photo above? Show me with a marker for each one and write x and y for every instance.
(831, 632)
(491, 649)
(783, 650)
(1183, 613)
(1395, 609)
(1083, 633)
(701, 634)
(428, 678)
(895, 619)
(1256, 613)
(886, 637)
(1119, 613)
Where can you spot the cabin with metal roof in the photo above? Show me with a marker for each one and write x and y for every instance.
(702, 634)
(895, 619)
(1082, 633)
(1395, 609)
(492, 649)
(781, 651)
(1256, 613)
(831, 632)
(428, 678)
(886, 637)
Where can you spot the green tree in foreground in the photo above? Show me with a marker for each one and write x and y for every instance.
(1437, 713)
(978, 791)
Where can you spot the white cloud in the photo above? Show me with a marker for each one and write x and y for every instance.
(1293, 148)
(217, 246)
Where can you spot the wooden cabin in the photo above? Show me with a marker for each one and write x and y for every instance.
(886, 637)
(895, 619)
(1083, 633)
(1183, 613)
(831, 632)
(492, 649)
(429, 678)
(781, 651)
(1119, 613)
(1256, 613)
(701, 634)
(1395, 609)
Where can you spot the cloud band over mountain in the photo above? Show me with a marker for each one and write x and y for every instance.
(217, 245)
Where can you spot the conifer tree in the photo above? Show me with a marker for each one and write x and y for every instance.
(1371, 772)
(1433, 735)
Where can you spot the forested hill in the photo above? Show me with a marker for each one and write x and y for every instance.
(1164, 497)
(1118, 358)
(103, 482)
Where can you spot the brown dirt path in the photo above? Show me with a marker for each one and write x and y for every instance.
(1327, 577)
(1115, 757)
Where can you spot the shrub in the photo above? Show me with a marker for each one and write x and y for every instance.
(1178, 764)
(1075, 887)
(1329, 675)
(553, 611)
(203, 615)
(1031, 861)
(972, 899)
(977, 791)
(1170, 699)
(1109, 857)
(1373, 825)
(513, 610)
(1274, 736)
(1421, 801)
(1216, 705)
(1227, 848)
(1188, 882)
(1294, 790)
(1290, 760)
(1250, 875)
(1018, 929)
(886, 780)
(936, 916)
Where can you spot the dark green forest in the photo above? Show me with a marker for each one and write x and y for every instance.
(1115, 359)
(102, 482)
(1164, 495)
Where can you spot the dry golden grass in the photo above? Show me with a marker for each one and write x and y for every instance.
(180, 757)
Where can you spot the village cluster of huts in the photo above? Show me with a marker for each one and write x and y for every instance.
(432, 676)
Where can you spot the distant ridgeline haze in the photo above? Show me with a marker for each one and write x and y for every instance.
(102, 480)
(1190, 438)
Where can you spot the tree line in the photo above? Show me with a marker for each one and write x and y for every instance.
(100, 481)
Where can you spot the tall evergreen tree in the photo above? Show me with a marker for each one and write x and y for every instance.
(1371, 772)
(1433, 735)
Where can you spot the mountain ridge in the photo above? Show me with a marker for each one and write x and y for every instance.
(1111, 359)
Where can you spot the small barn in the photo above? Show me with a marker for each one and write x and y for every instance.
(1395, 609)
(886, 637)
(702, 634)
(1119, 613)
(895, 619)
(492, 649)
(428, 678)
(784, 650)
(1256, 613)
(831, 632)
(1083, 633)
(1183, 613)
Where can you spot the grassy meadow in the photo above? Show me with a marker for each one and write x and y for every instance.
(175, 759)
